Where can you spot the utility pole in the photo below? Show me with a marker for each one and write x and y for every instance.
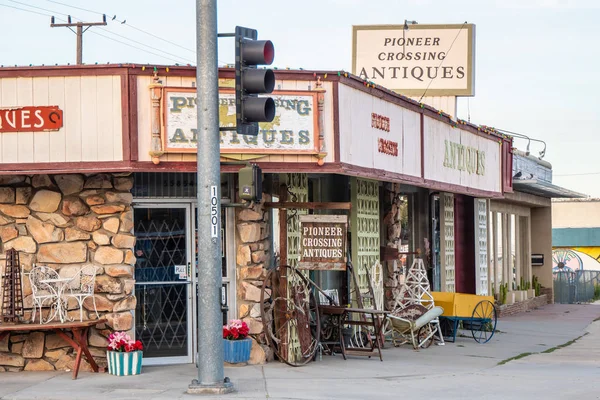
(79, 32)
(210, 360)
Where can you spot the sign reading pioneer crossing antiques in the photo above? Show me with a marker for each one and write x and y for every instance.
(417, 60)
(294, 128)
(323, 242)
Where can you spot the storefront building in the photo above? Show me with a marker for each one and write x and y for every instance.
(109, 179)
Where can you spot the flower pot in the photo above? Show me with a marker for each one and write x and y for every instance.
(237, 351)
(122, 364)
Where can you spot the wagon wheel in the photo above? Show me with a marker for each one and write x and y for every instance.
(484, 321)
(422, 334)
(290, 316)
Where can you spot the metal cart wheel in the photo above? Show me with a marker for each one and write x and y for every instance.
(424, 331)
(483, 323)
(290, 316)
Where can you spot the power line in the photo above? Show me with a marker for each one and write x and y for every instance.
(581, 174)
(135, 47)
(39, 8)
(441, 62)
(153, 48)
(124, 22)
(72, 6)
(22, 9)
(179, 60)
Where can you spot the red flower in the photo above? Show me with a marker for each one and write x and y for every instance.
(226, 332)
(138, 346)
(244, 330)
(235, 333)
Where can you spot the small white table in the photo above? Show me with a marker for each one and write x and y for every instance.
(60, 284)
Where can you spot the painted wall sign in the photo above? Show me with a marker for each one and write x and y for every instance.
(378, 134)
(436, 58)
(31, 119)
(293, 130)
(462, 158)
(323, 242)
(380, 122)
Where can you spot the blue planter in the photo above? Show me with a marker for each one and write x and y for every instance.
(237, 351)
(122, 364)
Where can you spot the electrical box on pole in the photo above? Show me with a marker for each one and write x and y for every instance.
(250, 178)
(251, 81)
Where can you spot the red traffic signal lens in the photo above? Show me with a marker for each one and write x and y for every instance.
(257, 52)
(268, 52)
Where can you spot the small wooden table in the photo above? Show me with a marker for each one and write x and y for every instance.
(78, 342)
(377, 321)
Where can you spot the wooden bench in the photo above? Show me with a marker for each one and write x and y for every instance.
(78, 342)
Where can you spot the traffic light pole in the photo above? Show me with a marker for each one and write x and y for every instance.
(210, 325)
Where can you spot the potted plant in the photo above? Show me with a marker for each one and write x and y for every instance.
(236, 343)
(124, 355)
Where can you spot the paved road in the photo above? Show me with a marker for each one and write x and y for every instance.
(463, 370)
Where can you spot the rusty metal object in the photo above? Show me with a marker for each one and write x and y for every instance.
(290, 316)
(12, 291)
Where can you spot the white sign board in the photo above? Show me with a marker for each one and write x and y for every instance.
(378, 134)
(461, 158)
(416, 60)
(294, 129)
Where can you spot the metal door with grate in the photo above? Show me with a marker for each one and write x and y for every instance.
(448, 254)
(163, 318)
(481, 246)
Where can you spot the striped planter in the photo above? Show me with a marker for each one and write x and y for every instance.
(237, 351)
(122, 364)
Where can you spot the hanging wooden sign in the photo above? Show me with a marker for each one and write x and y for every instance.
(323, 242)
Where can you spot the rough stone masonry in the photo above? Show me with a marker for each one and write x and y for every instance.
(66, 222)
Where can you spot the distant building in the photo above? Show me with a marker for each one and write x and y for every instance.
(576, 234)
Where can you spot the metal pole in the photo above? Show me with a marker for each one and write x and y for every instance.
(79, 44)
(210, 342)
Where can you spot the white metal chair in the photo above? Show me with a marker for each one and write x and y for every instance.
(44, 293)
(414, 308)
(82, 286)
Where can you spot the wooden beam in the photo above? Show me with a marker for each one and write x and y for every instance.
(310, 205)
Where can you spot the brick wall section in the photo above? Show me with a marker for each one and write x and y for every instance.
(549, 292)
(520, 307)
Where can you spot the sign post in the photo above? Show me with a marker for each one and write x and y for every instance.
(210, 341)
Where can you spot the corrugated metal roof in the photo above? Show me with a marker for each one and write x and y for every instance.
(545, 189)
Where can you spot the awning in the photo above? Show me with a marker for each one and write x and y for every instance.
(545, 189)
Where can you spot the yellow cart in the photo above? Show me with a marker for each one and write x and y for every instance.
(477, 314)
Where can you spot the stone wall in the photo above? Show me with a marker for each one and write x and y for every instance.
(522, 306)
(253, 255)
(66, 222)
(392, 225)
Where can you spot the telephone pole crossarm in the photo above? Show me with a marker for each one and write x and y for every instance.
(79, 32)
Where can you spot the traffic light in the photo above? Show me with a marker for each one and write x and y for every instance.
(250, 81)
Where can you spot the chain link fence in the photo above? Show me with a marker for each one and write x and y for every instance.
(576, 286)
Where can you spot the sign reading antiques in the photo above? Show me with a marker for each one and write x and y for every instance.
(31, 119)
(293, 130)
(323, 242)
(436, 60)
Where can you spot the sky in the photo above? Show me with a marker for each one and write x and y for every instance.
(536, 60)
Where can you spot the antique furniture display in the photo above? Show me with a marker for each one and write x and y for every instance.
(476, 313)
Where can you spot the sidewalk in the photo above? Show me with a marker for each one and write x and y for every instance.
(464, 369)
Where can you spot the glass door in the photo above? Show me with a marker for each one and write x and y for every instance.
(163, 288)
